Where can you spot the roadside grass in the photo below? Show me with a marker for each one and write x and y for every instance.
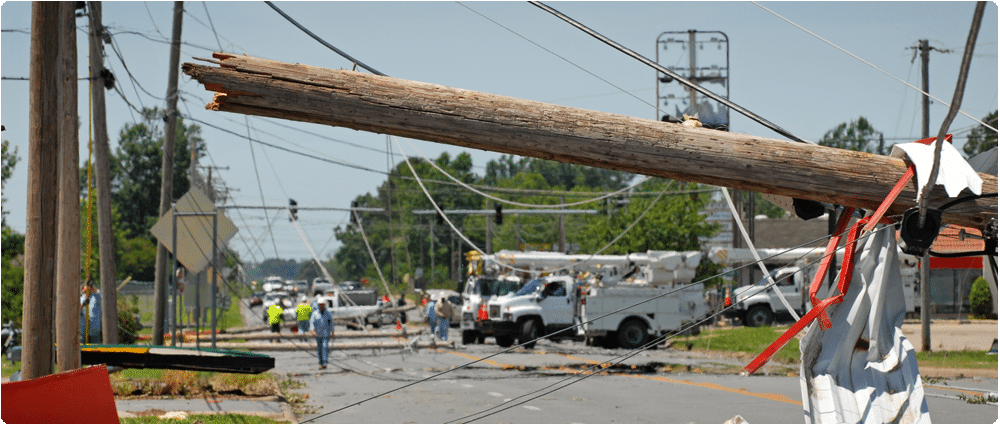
(9, 368)
(202, 419)
(748, 342)
(186, 383)
(957, 359)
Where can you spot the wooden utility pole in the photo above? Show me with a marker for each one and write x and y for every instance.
(502, 124)
(102, 176)
(67, 296)
(167, 173)
(925, 270)
(40, 224)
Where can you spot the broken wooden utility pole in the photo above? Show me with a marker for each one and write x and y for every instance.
(40, 224)
(67, 289)
(167, 175)
(486, 121)
(101, 79)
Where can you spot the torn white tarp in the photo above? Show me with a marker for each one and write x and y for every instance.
(863, 370)
(954, 173)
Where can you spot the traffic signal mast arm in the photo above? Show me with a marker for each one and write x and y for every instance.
(486, 121)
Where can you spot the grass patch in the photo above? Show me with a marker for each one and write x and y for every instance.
(957, 359)
(165, 382)
(9, 368)
(202, 419)
(750, 341)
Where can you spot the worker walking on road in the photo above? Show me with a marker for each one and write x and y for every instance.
(275, 315)
(443, 312)
(302, 313)
(90, 310)
(322, 328)
(431, 316)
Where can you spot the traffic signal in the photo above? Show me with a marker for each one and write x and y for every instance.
(292, 211)
(354, 217)
(499, 216)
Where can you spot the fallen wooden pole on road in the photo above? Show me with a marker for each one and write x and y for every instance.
(257, 336)
(334, 345)
(367, 102)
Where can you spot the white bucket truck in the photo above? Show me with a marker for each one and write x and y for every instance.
(614, 300)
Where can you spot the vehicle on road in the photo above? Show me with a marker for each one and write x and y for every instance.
(755, 305)
(607, 300)
(273, 283)
(256, 299)
(479, 289)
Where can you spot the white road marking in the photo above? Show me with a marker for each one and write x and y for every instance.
(468, 385)
(531, 408)
(495, 394)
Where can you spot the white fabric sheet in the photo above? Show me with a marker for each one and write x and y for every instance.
(863, 370)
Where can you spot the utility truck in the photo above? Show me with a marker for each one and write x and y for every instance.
(793, 271)
(611, 300)
(485, 281)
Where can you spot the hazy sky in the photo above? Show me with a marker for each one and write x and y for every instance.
(778, 71)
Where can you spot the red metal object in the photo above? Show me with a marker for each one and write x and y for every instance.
(82, 396)
(847, 270)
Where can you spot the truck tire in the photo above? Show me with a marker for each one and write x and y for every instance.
(505, 340)
(468, 337)
(758, 315)
(529, 332)
(632, 334)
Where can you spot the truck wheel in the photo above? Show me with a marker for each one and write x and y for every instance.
(529, 332)
(468, 337)
(758, 315)
(481, 339)
(632, 334)
(505, 340)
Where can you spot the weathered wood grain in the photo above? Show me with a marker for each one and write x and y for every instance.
(424, 111)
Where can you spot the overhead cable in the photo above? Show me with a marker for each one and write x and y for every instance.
(481, 252)
(328, 45)
(868, 63)
(756, 118)
(468, 187)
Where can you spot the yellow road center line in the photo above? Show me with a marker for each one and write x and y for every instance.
(774, 397)
(490, 362)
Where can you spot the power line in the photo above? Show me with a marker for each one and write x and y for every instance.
(323, 42)
(557, 55)
(756, 118)
(867, 63)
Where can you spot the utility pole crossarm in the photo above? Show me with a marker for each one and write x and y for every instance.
(486, 121)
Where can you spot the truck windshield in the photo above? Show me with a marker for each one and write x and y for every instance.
(492, 287)
(531, 287)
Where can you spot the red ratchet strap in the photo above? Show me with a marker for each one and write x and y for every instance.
(846, 271)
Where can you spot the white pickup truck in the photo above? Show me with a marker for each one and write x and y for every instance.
(756, 306)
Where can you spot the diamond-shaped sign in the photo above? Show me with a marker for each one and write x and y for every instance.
(194, 233)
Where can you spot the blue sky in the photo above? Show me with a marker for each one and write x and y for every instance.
(778, 71)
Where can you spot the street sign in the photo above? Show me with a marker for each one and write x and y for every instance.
(194, 233)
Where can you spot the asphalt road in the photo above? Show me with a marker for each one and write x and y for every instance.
(544, 386)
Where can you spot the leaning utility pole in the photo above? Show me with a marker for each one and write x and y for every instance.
(102, 173)
(167, 173)
(67, 296)
(487, 121)
(40, 224)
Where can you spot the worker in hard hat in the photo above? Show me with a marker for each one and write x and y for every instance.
(302, 313)
(275, 315)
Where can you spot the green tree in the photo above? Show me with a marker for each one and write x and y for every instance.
(980, 299)
(857, 135)
(981, 139)
(135, 170)
(10, 159)
(555, 173)
(13, 276)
